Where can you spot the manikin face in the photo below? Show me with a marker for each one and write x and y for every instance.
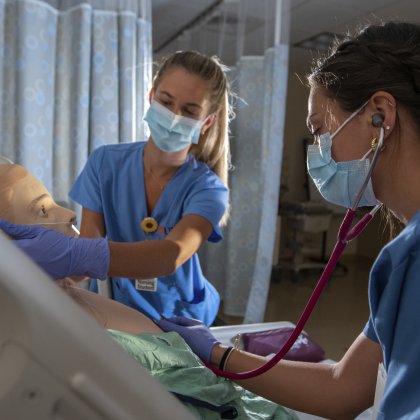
(25, 200)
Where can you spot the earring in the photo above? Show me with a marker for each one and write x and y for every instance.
(391, 104)
(374, 144)
(387, 127)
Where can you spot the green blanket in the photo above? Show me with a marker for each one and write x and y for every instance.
(169, 360)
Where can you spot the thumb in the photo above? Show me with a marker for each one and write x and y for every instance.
(20, 231)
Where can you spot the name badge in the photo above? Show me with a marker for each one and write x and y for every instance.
(379, 391)
(146, 285)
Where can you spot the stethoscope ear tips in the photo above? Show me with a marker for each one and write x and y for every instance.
(377, 120)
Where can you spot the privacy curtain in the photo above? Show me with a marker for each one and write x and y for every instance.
(74, 75)
(240, 266)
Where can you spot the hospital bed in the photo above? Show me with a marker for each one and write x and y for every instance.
(57, 363)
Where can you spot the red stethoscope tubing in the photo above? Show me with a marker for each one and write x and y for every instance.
(345, 234)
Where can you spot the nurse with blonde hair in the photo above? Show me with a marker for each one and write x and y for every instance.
(157, 201)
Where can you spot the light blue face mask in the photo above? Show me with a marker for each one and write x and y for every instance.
(341, 183)
(171, 132)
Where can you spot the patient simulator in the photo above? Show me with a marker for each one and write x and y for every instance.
(58, 361)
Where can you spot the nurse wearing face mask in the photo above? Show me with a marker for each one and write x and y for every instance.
(158, 201)
(364, 112)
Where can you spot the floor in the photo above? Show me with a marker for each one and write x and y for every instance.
(339, 315)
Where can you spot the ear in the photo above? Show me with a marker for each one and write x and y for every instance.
(210, 120)
(151, 95)
(385, 104)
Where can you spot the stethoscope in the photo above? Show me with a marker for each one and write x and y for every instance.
(346, 233)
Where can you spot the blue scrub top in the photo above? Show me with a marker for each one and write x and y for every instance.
(112, 183)
(394, 298)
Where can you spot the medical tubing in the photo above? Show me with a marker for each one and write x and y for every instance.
(359, 227)
(339, 247)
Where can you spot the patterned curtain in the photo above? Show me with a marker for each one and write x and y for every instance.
(73, 76)
(240, 266)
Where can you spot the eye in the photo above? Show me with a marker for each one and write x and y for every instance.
(164, 102)
(43, 211)
(191, 113)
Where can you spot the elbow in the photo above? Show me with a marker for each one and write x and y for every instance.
(349, 414)
(353, 400)
(174, 258)
(169, 268)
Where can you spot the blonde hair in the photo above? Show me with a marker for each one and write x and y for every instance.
(213, 147)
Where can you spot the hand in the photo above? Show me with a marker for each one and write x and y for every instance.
(58, 254)
(194, 332)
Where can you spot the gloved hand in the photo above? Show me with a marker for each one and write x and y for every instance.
(194, 332)
(58, 254)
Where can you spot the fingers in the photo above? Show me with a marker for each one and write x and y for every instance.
(171, 324)
(166, 325)
(20, 231)
(183, 321)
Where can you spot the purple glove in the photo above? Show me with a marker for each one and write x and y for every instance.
(58, 254)
(194, 332)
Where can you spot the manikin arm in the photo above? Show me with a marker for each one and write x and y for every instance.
(109, 313)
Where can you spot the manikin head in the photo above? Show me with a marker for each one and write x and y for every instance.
(25, 200)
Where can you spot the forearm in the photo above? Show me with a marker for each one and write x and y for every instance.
(309, 387)
(150, 258)
(145, 259)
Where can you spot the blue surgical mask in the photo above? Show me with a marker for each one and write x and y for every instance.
(340, 182)
(171, 132)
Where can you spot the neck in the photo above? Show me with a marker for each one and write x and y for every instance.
(160, 163)
(395, 176)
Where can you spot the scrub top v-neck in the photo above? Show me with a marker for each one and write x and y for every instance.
(112, 183)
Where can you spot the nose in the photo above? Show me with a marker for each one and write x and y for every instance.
(176, 109)
(62, 214)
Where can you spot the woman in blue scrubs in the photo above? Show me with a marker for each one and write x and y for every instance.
(366, 91)
(164, 197)
(156, 202)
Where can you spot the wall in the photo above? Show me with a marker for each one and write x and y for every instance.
(294, 166)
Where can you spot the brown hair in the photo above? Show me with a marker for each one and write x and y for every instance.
(379, 57)
(213, 146)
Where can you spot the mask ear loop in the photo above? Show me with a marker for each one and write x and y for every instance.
(348, 119)
(372, 164)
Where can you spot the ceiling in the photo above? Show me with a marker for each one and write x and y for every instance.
(214, 26)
